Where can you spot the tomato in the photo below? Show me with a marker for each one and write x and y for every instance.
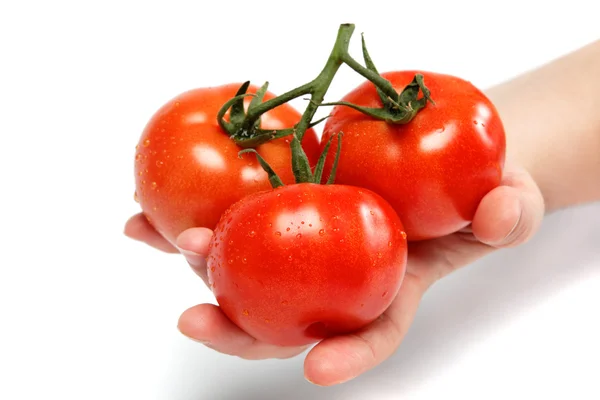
(187, 169)
(303, 262)
(435, 169)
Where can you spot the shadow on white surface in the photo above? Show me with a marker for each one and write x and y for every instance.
(463, 309)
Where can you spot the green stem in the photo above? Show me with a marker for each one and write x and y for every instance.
(316, 88)
(383, 84)
(397, 108)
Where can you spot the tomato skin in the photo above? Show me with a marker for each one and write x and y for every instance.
(434, 170)
(187, 169)
(302, 262)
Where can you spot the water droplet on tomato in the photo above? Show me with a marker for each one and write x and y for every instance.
(137, 146)
(136, 197)
(140, 173)
(290, 258)
(252, 234)
(277, 233)
(138, 157)
(245, 312)
(389, 244)
(322, 232)
(278, 194)
(299, 236)
(154, 208)
(159, 163)
(146, 143)
(143, 182)
(176, 104)
(341, 240)
(153, 185)
(403, 234)
(336, 229)
(372, 212)
(244, 260)
(267, 321)
(230, 261)
(212, 269)
(379, 254)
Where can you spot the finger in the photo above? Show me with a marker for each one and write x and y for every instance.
(510, 214)
(193, 244)
(207, 324)
(341, 358)
(507, 216)
(138, 228)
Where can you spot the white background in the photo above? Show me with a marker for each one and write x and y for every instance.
(87, 314)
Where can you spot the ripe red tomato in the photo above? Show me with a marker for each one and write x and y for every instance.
(302, 262)
(433, 170)
(187, 169)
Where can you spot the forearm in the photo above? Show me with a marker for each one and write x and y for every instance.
(552, 121)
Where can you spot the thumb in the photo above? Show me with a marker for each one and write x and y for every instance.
(510, 214)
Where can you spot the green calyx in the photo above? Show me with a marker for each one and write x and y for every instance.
(399, 108)
(300, 164)
(246, 132)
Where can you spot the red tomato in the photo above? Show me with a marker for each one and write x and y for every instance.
(434, 170)
(187, 169)
(303, 262)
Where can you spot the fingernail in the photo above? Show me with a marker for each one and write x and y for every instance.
(508, 238)
(192, 257)
(330, 384)
(201, 341)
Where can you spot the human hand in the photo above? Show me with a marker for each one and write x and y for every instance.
(507, 216)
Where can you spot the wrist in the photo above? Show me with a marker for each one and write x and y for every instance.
(552, 126)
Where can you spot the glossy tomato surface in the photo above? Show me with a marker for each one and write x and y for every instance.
(302, 262)
(434, 170)
(187, 170)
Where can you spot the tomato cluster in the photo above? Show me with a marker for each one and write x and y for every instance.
(310, 241)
